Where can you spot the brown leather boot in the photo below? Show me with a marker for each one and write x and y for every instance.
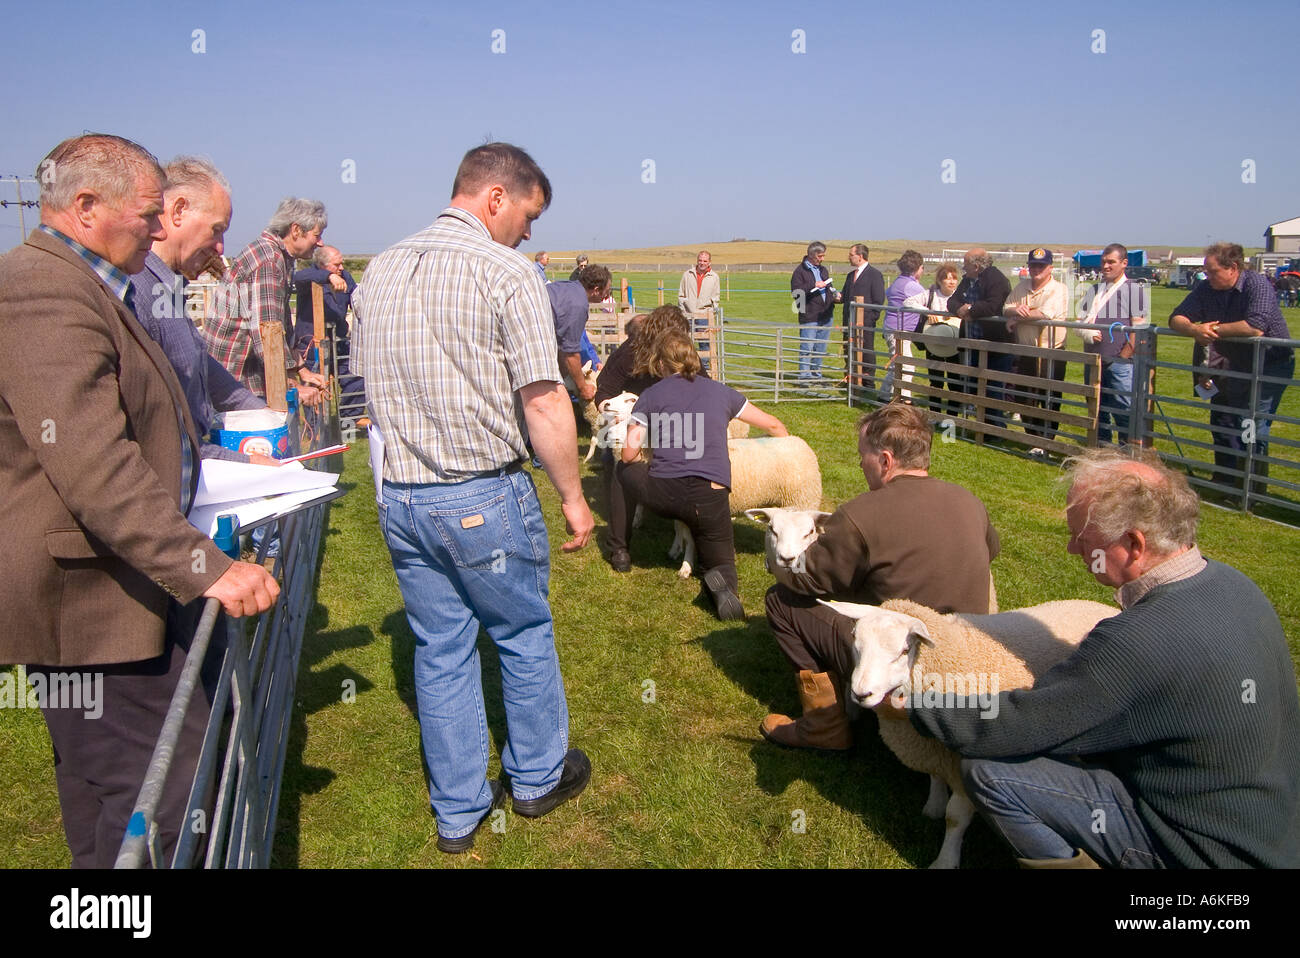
(823, 723)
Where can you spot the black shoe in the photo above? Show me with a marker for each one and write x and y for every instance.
(620, 560)
(726, 601)
(457, 846)
(574, 778)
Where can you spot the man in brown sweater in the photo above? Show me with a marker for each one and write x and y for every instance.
(911, 536)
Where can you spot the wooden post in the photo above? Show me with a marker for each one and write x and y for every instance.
(728, 285)
(273, 365)
(624, 284)
(317, 313)
(661, 292)
(857, 354)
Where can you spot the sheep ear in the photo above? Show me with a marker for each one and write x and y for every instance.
(917, 628)
(854, 610)
(759, 515)
(586, 367)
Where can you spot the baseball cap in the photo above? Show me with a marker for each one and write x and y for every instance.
(1040, 257)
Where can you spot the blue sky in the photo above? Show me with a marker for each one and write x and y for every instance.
(1049, 141)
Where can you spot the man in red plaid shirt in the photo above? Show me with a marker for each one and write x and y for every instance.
(256, 289)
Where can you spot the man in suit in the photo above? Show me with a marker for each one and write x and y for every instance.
(814, 301)
(863, 280)
(98, 466)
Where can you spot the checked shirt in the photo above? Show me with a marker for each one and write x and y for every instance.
(450, 325)
(256, 289)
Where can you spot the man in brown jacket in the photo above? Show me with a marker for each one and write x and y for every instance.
(910, 537)
(98, 466)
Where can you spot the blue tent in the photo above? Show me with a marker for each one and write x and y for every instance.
(1091, 258)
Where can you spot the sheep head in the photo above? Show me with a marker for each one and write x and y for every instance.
(789, 534)
(611, 423)
(884, 648)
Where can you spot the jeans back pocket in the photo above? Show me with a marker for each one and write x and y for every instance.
(477, 533)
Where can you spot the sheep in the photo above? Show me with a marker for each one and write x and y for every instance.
(901, 644)
(610, 428)
(789, 534)
(767, 471)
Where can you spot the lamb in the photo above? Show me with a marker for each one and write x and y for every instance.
(905, 646)
(767, 471)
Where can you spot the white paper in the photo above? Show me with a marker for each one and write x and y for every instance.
(223, 481)
(249, 511)
(377, 459)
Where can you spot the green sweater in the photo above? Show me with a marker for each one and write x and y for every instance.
(1189, 696)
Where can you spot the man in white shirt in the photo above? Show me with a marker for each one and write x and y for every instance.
(1039, 297)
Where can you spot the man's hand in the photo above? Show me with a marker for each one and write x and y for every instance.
(586, 391)
(337, 283)
(257, 459)
(312, 379)
(310, 395)
(578, 520)
(1205, 333)
(893, 706)
(963, 310)
(1090, 335)
(244, 589)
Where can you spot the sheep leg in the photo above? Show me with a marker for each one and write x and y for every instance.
(684, 546)
(638, 517)
(937, 800)
(958, 817)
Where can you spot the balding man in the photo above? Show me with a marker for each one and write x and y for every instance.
(260, 280)
(699, 289)
(1171, 737)
(541, 260)
(196, 214)
(326, 270)
(98, 468)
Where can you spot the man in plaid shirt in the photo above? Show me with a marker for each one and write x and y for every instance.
(454, 337)
(256, 289)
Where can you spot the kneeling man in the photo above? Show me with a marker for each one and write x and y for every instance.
(911, 537)
(1171, 738)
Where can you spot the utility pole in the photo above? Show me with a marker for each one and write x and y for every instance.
(21, 203)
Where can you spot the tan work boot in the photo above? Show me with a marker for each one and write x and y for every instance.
(1081, 859)
(823, 723)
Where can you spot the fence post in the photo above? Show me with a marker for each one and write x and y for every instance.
(1137, 420)
(1257, 370)
(776, 380)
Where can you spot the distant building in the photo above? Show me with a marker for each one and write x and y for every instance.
(1283, 237)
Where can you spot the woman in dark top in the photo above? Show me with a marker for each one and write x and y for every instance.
(684, 418)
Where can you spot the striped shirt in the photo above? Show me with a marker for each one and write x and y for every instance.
(119, 284)
(449, 326)
(256, 289)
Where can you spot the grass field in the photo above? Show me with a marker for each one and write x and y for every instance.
(681, 777)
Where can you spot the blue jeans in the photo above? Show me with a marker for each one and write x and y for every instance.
(1116, 402)
(813, 337)
(1045, 808)
(468, 554)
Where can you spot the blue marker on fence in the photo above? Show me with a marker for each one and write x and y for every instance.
(1114, 326)
(227, 537)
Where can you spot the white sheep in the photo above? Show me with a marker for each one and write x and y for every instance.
(589, 410)
(767, 471)
(789, 534)
(906, 646)
(610, 428)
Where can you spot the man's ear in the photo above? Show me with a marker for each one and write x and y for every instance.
(83, 206)
(496, 196)
(179, 206)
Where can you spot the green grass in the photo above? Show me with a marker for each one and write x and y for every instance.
(684, 780)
